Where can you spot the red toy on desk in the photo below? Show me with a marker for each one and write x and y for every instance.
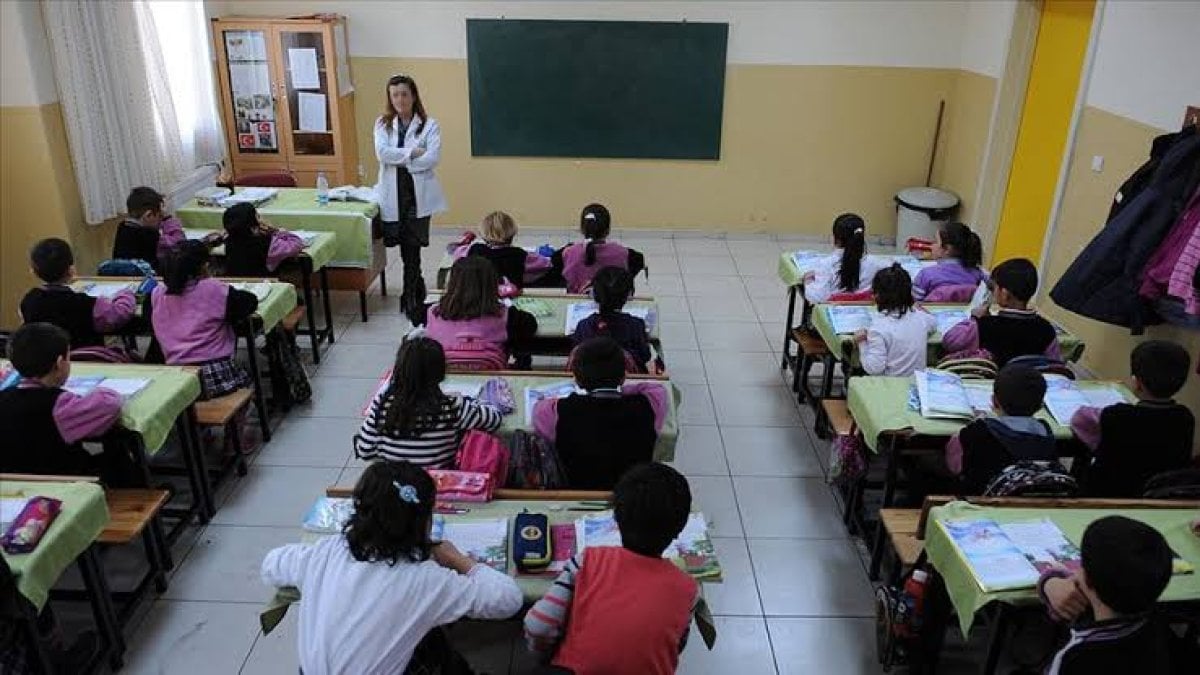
(31, 524)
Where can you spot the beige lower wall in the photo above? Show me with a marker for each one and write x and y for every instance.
(964, 138)
(38, 198)
(1125, 145)
(800, 144)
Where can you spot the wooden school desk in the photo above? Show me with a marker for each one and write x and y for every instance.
(71, 538)
(359, 257)
(314, 258)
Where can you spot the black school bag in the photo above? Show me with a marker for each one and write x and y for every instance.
(1033, 479)
(533, 463)
(289, 381)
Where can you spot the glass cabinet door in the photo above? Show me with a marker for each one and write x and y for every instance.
(254, 110)
(307, 84)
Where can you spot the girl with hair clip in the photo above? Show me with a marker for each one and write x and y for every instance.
(959, 253)
(253, 247)
(193, 316)
(579, 262)
(477, 331)
(413, 419)
(896, 342)
(376, 596)
(611, 289)
(848, 268)
(518, 266)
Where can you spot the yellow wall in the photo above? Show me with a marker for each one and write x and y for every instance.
(1045, 120)
(38, 198)
(800, 144)
(964, 138)
(1125, 145)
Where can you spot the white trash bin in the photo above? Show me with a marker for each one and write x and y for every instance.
(920, 211)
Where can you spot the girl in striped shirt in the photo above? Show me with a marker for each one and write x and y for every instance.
(413, 419)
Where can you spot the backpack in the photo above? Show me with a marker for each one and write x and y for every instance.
(120, 267)
(468, 353)
(1033, 479)
(289, 381)
(847, 461)
(534, 464)
(898, 621)
(481, 452)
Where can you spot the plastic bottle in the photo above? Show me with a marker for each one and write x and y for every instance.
(914, 600)
(322, 189)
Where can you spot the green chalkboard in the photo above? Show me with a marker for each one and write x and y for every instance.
(596, 88)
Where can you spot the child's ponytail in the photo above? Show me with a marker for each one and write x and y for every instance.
(962, 243)
(611, 289)
(849, 232)
(184, 264)
(393, 507)
(594, 224)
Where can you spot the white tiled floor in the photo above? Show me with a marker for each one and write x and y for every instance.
(796, 598)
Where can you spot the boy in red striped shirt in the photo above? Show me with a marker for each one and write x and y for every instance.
(626, 609)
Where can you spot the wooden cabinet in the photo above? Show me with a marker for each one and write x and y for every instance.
(287, 99)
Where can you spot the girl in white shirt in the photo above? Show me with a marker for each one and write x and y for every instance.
(896, 342)
(847, 269)
(374, 597)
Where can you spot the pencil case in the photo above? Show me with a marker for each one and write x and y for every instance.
(531, 541)
(31, 524)
(462, 486)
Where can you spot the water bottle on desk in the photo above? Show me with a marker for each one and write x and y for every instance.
(322, 189)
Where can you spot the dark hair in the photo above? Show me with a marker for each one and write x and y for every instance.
(51, 258)
(651, 503)
(598, 363)
(1161, 366)
(183, 264)
(414, 399)
(595, 223)
(472, 290)
(849, 232)
(1018, 276)
(965, 244)
(240, 220)
(143, 199)
(35, 347)
(893, 290)
(384, 526)
(1127, 563)
(390, 113)
(1020, 390)
(611, 289)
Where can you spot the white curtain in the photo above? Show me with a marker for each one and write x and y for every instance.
(126, 123)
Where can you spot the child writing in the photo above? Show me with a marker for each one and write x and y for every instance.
(475, 329)
(412, 419)
(848, 269)
(896, 341)
(514, 263)
(254, 248)
(623, 609)
(1016, 330)
(611, 289)
(611, 426)
(1130, 443)
(959, 252)
(985, 447)
(193, 316)
(1126, 567)
(147, 232)
(43, 424)
(579, 262)
(375, 596)
(85, 319)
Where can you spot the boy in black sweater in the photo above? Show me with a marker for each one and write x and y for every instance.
(1126, 567)
(985, 447)
(86, 319)
(1130, 443)
(1016, 330)
(147, 231)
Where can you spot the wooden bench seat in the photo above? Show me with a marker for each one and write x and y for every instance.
(293, 319)
(809, 343)
(901, 526)
(130, 512)
(218, 412)
(837, 413)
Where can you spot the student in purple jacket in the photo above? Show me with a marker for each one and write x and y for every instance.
(959, 252)
(579, 262)
(193, 317)
(475, 329)
(611, 289)
(253, 247)
(43, 424)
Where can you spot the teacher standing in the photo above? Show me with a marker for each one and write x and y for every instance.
(408, 145)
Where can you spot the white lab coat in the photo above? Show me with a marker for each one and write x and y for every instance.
(430, 198)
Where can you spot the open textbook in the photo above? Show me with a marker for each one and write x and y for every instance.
(692, 550)
(941, 395)
(847, 319)
(260, 289)
(1064, 397)
(546, 391)
(578, 311)
(127, 387)
(107, 289)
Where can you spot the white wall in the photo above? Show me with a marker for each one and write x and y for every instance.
(921, 33)
(26, 73)
(1147, 64)
(985, 35)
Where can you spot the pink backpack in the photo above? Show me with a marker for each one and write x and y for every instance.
(471, 353)
(481, 452)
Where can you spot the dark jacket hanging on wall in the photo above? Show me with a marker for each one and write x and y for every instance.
(1139, 179)
(1102, 283)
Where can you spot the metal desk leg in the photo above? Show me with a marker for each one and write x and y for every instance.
(933, 630)
(1000, 626)
(202, 498)
(260, 398)
(787, 328)
(362, 304)
(102, 606)
(889, 493)
(382, 281)
(324, 274)
(310, 313)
